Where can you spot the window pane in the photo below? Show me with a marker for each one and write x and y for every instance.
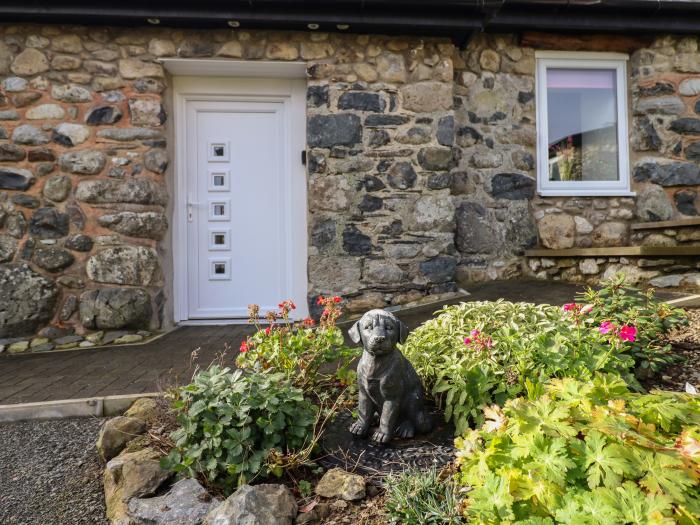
(582, 124)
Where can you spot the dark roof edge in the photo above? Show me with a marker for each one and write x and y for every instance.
(454, 19)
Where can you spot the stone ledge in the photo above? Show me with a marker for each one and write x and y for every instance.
(616, 251)
(679, 223)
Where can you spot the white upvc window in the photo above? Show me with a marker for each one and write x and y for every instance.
(582, 139)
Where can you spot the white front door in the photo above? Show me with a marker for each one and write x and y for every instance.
(245, 217)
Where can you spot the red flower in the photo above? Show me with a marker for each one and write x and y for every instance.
(292, 305)
(309, 322)
(628, 333)
(336, 299)
(319, 300)
(267, 330)
(467, 341)
(568, 307)
(244, 347)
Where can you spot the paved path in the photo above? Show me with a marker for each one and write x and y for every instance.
(166, 361)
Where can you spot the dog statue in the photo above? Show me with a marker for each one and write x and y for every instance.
(388, 385)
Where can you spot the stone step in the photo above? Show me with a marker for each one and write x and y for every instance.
(680, 223)
(617, 251)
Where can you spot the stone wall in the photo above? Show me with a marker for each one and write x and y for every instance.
(84, 175)
(499, 215)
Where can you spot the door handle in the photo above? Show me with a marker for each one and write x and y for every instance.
(190, 205)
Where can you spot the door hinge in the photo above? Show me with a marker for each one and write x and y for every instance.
(303, 157)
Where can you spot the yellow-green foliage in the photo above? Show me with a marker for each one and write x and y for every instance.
(585, 453)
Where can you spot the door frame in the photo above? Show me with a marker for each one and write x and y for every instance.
(287, 86)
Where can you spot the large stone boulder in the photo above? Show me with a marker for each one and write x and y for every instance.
(149, 224)
(134, 265)
(27, 300)
(131, 191)
(131, 475)
(187, 503)
(653, 204)
(258, 505)
(557, 231)
(116, 433)
(110, 308)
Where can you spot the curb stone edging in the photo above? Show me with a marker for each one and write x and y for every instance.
(104, 406)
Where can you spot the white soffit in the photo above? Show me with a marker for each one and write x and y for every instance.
(233, 68)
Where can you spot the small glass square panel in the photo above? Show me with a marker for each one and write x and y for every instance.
(219, 181)
(219, 210)
(218, 151)
(219, 240)
(220, 269)
(582, 124)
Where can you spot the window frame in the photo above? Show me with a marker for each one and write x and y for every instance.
(582, 60)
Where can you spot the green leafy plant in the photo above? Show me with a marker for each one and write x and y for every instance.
(417, 497)
(618, 303)
(235, 427)
(479, 353)
(589, 453)
(299, 350)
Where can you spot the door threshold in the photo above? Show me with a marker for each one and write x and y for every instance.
(212, 322)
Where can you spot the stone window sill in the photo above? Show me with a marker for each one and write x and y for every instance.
(586, 193)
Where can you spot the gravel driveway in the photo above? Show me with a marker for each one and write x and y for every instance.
(50, 473)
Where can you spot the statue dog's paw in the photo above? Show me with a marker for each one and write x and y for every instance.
(405, 430)
(381, 437)
(359, 428)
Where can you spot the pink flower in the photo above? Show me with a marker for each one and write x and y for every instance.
(267, 330)
(244, 347)
(568, 307)
(628, 333)
(488, 343)
(467, 341)
(475, 333)
(606, 327)
(586, 309)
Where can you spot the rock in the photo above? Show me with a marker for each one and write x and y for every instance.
(130, 475)
(660, 105)
(29, 63)
(57, 188)
(323, 233)
(589, 267)
(186, 503)
(668, 173)
(666, 281)
(355, 242)
(109, 308)
(391, 67)
(71, 93)
(316, 515)
(685, 202)
(70, 135)
(22, 100)
(370, 203)
(610, 234)
(439, 269)
(26, 201)
(132, 68)
(116, 433)
(18, 347)
(653, 204)
(129, 134)
(486, 158)
(512, 186)
(337, 483)
(11, 153)
(84, 162)
(144, 409)
(9, 114)
(131, 191)
(8, 248)
(378, 138)
(633, 274)
(53, 259)
(436, 158)
(156, 160)
(27, 300)
(79, 243)
(439, 181)
(255, 505)
(146, 112)
(15, 178)
(14, 84)
(381, 271)
(16, 224)
(402, 176)
(45, 112)
(326, 131)
(433, 212)
(686, 126)
(150, 224)
(427, 97)
(364, 302)
(128, 339)
(334, 274)
(68, 308)
(361, 101)
(67, 44)
(49, 223)
(29, 135)
(475, 230)
(385, 120)
(134, 265)
(103, 115)
(446, 131)
(490, 60)
(329, 192)
(66, 63)
(557, 231)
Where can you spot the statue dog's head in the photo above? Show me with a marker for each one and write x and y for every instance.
(379, 332)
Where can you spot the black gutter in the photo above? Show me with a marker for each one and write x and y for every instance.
(455, 19)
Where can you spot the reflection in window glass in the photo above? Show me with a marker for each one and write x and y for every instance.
(582, 124)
